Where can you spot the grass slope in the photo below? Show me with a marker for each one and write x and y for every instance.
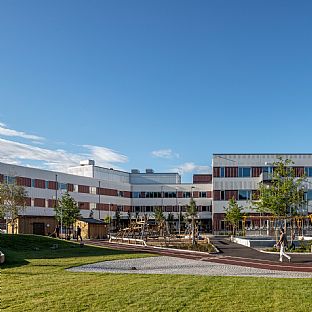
(36, 280)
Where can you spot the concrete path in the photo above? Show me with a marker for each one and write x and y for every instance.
(230, 253)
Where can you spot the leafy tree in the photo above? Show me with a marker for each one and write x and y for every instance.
(160, 219)
(233, 214)
(191, 212)
(67, 211)
(284, 195)
(12, 201)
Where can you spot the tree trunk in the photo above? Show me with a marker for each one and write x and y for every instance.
(193, 231)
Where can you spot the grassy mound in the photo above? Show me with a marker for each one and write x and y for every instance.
(18, 249)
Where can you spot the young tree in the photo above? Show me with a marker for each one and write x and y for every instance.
(233, 214)
(160, 219)
(284, 195)
(12, 202)
(191, 212)
(67, 211)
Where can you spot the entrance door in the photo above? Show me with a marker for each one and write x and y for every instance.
(38, 228)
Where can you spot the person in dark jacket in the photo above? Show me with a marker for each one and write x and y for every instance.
(283, 244)
(79, 233)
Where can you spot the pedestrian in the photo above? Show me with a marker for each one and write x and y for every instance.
(79, 233)
(57, 231)
(283, 244)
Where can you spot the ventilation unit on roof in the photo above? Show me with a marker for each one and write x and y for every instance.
(149, 171)
(87, 162)
(135, 171)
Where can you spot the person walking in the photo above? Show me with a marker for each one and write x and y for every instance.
(283, 244)
(79, 233)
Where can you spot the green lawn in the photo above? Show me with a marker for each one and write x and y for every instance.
(36, 280)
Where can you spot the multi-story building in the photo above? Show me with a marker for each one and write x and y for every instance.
(238, 176)
(101, 192)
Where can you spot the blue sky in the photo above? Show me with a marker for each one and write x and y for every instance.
(153, 84)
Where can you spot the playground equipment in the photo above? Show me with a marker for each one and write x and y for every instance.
(142, 229)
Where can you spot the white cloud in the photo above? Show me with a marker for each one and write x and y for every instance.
(190, 167)
(18, 134)
(165, 153)
(60, 160)
(103, 154)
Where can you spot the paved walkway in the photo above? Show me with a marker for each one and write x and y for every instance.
(230, 253)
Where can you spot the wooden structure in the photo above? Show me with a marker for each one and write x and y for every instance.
(91, 228)
(39, 225)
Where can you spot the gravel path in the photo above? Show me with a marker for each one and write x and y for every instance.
(173, 265)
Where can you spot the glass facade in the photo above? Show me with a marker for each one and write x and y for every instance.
(244, 172)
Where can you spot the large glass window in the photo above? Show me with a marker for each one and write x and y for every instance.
(244, 195)
(309, 195)
(202, 194)
(63, 186)
(244, 172)
(135, 194)
(222, 172)
(187, 194)
(308, 171)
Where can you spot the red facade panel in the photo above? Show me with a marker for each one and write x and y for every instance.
(256, 171)
(52, 203)
(195, 194)
(84, 205)
(216, 172)
(299, 171)
(1, 178)
(231, 194)
(216, 195)
(202, 178)
(209, 194)
(22, 181)
(70, 187)
(28, 201)
(127, 194)
(39, 202)
(52, 185)
(231, 172)
(39, 183)
(83, 189)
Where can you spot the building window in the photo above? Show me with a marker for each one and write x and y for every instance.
(75, 188)
(222, 172)
(186, 194)
(135, 194)
(308, 171)
(309, 195)
(222, 195)
(203, 194)
(62, 186)
(92, 206)
(170, 194)
(244, 195)
(244, 172)
(120, 193)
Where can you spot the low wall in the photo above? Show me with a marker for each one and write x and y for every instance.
(254, 242)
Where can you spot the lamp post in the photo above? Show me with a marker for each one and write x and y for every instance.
(56, 203)
(178, 210)
(109, 215)
(99, 200)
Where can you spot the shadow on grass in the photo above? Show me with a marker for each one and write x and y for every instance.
(17, 248)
